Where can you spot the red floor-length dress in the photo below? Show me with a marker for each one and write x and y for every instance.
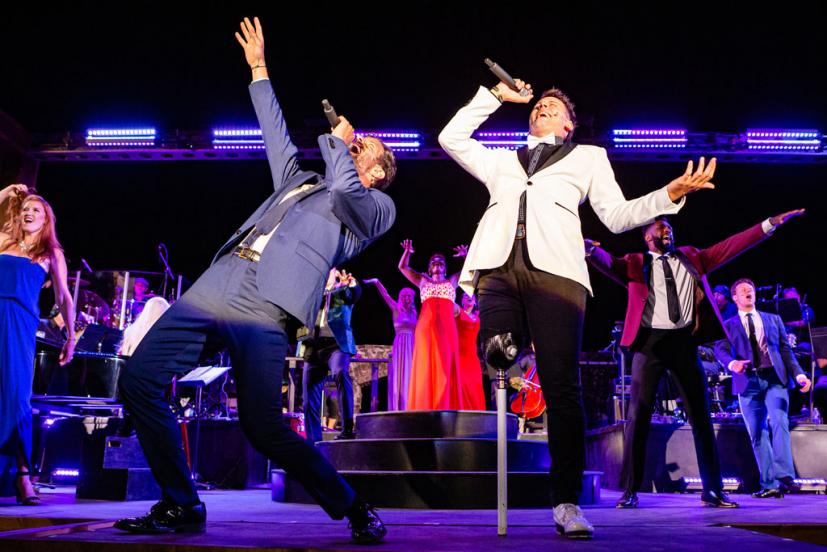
(470, 371)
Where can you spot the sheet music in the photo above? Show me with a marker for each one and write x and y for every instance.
(204, 375)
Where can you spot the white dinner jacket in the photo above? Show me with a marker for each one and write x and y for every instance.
(553, 196)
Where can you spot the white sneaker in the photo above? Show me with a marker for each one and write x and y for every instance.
(571, 523)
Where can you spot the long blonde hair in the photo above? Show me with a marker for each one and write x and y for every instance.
(132, 336)
(47, 243)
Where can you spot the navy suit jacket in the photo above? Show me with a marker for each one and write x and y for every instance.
(324, 229)
(737, 347)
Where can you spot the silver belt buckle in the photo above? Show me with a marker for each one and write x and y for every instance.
(520, 235)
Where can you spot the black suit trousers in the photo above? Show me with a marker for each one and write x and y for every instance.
(656, 351)
(548, 311)
(224, 308)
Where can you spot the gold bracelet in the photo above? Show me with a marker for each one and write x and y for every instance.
(497, 94)
(254, 67)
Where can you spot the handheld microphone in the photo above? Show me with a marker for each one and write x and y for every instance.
(501, 74)
(330, 113)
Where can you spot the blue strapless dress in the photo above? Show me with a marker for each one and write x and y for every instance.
(20, 283)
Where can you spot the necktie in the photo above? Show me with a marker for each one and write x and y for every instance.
(671, 290)
(753, 343)
(536, 153)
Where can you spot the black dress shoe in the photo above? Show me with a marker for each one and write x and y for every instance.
(768, 493)
(167, 518)
(788, 485)
(365, 525)
(345, 436)
(717, 500)
(628, 500)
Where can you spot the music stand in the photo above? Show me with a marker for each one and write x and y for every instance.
(788, 309)
(97, 338)
(200, 378)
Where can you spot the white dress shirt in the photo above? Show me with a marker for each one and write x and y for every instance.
(656, 312)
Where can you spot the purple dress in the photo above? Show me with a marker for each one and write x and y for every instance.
(399, 369)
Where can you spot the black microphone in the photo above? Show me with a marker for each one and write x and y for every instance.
(501, 74)
(330, 113)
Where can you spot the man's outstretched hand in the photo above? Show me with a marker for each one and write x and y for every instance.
(690, 181)
(778, 220)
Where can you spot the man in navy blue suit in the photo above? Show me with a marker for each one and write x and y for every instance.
(763, 369)
(330, 349)
(264, 283)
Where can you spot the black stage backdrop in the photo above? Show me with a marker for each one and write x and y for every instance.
(707, 68)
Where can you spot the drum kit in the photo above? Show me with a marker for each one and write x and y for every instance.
(113, 298)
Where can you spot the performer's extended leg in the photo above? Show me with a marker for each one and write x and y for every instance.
(691, 379)
(556, 307)
(647, 370)
(256, 332)
(171, 348)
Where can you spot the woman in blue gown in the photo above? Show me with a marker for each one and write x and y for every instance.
(29, 253)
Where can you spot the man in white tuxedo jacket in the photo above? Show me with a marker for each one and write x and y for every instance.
(527, 261)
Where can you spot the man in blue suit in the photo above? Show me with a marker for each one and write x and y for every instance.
(763, 369)
(331, 348)
(264, 282)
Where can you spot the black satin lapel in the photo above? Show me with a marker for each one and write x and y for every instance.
(522, 156)
(556, 155)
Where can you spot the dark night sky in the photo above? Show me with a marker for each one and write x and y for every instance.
(78, 65)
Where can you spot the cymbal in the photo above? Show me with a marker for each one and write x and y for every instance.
(71, 279)
(88, 298)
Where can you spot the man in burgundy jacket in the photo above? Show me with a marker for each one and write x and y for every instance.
(670, 311)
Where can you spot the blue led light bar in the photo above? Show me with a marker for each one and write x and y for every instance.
(510, 140)
(237, 138)
(649, 138)
(696, 483)
(397, 140)
(65, 474)
(120, 137)
(767, 139)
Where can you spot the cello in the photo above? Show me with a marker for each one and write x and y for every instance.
(529, 402)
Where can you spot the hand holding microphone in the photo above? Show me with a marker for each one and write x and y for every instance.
(509, 89)
(330, 113)
(340, 125)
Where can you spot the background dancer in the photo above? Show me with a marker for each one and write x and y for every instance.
(404, 325)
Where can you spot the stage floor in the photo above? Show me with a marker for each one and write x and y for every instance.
(250, 520)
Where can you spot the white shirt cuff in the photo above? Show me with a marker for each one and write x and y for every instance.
(261, 79)
(767, 227)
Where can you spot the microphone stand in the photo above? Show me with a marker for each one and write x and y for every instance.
(163, 254)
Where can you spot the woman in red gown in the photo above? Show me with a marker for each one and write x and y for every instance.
(470, 369)
(435, 371)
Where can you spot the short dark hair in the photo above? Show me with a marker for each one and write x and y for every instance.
(388, 163)
(739, 282)
(659, 218)
(560, 95)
